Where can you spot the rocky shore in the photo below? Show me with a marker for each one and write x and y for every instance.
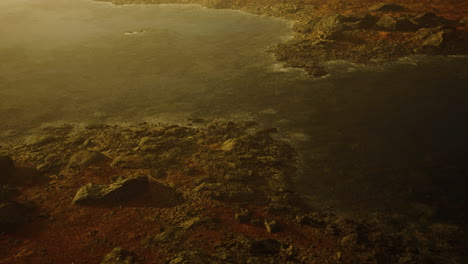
(368, 32)
(202, 193)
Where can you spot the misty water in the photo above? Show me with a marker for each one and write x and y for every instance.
(391, 137)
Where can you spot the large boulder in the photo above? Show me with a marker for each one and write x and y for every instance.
(7, 169)
(119, 191)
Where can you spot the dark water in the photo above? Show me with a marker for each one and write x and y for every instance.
(392, 137)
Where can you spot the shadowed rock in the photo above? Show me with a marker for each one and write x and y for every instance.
(122, 190)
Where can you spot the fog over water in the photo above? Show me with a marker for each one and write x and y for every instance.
(391, 136)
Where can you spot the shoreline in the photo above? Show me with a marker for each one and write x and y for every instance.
(359, 32)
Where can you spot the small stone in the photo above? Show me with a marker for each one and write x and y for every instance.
(271, 226)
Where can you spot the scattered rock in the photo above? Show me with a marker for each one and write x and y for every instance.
(119, 191)
(85, 158)
(119, 256)
(386, 7)
(7, 169)
(271, 226)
